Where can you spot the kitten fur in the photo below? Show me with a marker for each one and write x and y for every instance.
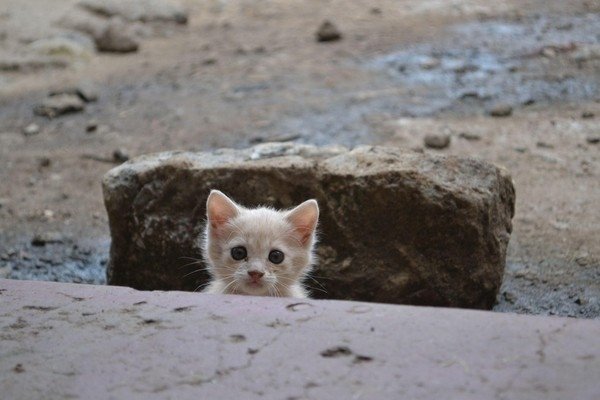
(259, 231)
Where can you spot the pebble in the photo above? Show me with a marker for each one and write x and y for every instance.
(470, 136)
(500, 110)
(91, 126)
(587, 115)
(44, 162)
(593, 138)
(41, 239)
(544, 145)
(430, 63)
(54, 106)
(31, 129)
(437, 140)
(328, 32)
(120, 156)
(85, 90)
(117, 38)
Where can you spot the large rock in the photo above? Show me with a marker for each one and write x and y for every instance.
(396, 226)
(139, 10)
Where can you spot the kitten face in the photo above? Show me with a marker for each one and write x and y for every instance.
(259, 251)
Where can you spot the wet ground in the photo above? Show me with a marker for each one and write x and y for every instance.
(238, 75)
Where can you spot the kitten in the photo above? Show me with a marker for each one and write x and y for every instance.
(261, 251)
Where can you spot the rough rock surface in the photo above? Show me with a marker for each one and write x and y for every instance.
(396, 226)
(139, 10)
(71, 341)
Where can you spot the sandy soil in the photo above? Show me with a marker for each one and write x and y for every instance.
(244, 71)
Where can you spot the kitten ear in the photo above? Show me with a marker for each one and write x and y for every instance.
(304, 218)
(220, 209)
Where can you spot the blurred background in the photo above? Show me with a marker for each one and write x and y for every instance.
(87, 84)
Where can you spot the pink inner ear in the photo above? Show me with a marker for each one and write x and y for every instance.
(220, 209)
(304, 219)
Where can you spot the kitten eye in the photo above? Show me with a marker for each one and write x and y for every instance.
(238, 253)
(276, 256)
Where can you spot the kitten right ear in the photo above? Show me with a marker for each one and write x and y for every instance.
(220, 209)
(304, 219)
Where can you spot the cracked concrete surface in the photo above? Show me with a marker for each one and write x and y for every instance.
(79, 341)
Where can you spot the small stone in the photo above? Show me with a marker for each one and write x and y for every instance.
(470, 136)
(587, 115)
(528, 101)
(85, 90)
(548, 52)
(44, 162)
(437, 141)
(500, 110)
(41, 239)
(544, 145)
(375, 10)
(593, 138)
(209, 61)
(117, 38)
(120, 156)
(91, 126)
(31, 129)
(54, 106)
(509, 297)
(430, 63)
(520, 149)
(328, 32)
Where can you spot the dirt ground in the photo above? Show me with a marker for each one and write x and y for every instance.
(241, 72)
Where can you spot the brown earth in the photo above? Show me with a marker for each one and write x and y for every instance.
(242, 71)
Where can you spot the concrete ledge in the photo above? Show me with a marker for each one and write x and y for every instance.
(76, 341)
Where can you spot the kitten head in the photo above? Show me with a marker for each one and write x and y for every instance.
(259, 251)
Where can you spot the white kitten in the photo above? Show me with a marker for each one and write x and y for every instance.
(260, 252)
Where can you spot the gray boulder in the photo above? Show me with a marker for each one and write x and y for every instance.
(396, 226)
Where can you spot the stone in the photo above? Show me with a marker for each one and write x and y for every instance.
(31, 129)
(120, 156)
(396, 226)
(87, 91)
(437, 140)
(593, 138)
(429, 63)
(117, 38)
(470, 136)
(54, 106)
(44, 238)
(139, 10)
(587, 115)
(500, 110)
(328, 32)
(106, 342)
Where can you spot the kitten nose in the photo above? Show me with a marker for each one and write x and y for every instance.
(256, 275)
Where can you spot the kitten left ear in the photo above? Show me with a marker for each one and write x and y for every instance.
(220, 209)
(304, 218)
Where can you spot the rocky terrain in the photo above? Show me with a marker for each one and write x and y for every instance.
(86, 85)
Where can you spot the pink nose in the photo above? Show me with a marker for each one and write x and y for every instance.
(256, 275)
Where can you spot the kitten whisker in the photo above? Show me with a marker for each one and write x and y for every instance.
(194, 271)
